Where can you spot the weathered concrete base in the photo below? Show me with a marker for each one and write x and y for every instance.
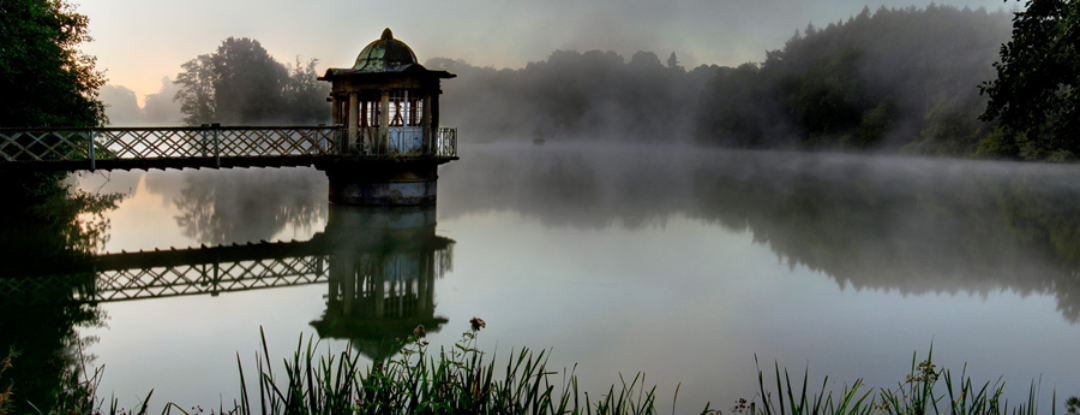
(383, 184)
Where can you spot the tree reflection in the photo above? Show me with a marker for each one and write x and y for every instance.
(905, 224)
(244, 205)
(63, 231)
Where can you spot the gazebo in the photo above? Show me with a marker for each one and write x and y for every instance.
(387, 100)
(387, 106)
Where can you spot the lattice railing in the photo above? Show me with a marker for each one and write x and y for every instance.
(216, 142)
(130, 284)
(165, 281)
(157, 143)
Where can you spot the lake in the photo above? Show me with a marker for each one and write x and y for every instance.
(683, 264)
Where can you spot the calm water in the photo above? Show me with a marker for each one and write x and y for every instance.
(682, 264)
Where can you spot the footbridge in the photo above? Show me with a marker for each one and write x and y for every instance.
(383, 147)
(215, 146)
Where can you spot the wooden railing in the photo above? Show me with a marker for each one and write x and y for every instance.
(208, 141)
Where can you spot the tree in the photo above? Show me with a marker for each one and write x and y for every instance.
(239, 84)
(196, 94)
(45, 79)
(45, 82)
(305, 96)
(1036, 90)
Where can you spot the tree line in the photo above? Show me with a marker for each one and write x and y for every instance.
(241, 83)
(591, 95)
(913, 80)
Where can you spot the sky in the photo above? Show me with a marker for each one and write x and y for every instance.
(138, 42)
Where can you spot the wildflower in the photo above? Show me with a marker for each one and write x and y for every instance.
(477, 323)
(419, 332)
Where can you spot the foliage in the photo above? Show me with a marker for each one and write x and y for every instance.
(877, 80)
(595, 95)
(66, 227)
(1038, 77)
(241, 83)
(46, 80)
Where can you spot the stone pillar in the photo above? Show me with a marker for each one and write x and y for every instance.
(384, 120)
(435, 111)
(335, 111)
(389, 183)
(354, 118)
(429, 138)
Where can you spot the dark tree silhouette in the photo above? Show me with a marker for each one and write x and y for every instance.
(1036, 90)
(46, 80)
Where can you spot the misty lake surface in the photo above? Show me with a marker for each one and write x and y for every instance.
(679, 263)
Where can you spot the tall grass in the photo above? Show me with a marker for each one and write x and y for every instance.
(455, 380)
(463, 380)
(919, 394)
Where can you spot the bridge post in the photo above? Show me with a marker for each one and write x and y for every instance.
(93, 159)
(217, 148)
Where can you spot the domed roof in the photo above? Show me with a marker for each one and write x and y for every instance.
(385, 55)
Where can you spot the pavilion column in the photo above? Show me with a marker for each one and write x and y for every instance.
(425, 120)
(354, 118)
(384, 120)
(335, 111)
(435, 111)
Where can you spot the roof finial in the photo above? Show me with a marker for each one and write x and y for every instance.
(387, 34)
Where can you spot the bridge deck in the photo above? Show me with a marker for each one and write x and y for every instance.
(212, 146)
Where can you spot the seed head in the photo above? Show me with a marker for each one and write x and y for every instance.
(477, 324)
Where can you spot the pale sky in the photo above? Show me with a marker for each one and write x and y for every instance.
(140, 41)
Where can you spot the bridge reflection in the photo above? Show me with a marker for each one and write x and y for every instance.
(380, 265)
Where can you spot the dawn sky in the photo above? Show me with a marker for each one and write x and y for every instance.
(140, 41)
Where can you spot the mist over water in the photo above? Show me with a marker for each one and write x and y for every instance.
(677, 261)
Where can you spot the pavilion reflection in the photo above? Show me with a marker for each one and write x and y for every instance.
(383, 263)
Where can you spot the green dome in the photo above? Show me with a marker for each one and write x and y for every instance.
(385, 55)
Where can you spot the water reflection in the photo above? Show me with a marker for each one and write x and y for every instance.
(383, 268)
(242, 205)
(380, 264)
(906, 224)
(65, 229)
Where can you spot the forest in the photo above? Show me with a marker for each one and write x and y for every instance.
(938, 80)
(895, 79)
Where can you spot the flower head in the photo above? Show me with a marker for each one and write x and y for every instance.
(477, 324)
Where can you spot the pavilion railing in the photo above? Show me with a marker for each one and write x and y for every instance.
(446, 143)
(405, 142)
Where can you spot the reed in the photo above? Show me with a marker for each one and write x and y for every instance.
(463, 380)
(921, 393)
(455, 380)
